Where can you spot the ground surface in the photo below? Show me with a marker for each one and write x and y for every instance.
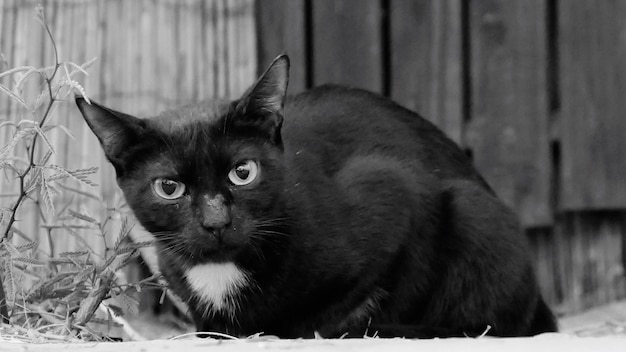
(608, 320)
(548, 342)
(601, 329)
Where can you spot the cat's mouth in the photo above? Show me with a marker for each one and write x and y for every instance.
(196, 247)
(219, 254)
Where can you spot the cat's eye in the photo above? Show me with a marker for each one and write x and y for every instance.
(244, 173)
(168, 189)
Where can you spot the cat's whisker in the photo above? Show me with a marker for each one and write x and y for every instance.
(173, 249)
(260, 238)
(264, 240)
(177, 255)
(270, 233)
(258, 251)
(275, 221)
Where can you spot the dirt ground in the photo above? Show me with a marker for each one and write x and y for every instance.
(599, 329)
(608, 320)
(546, 342)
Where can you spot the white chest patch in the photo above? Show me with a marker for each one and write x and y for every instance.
(217, 284)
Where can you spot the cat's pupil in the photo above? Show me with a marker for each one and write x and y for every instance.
(169, 186)
(242, 172)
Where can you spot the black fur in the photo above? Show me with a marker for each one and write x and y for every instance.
(365, 217)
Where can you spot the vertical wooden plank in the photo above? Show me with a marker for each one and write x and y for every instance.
(138, 93)
(242, 41)
(64, 21)
(19, 57)
(235, 9)
(166, 63)
(75, 51)
(92, 41)
(593, 75)
(220, 70)
(70, 18)
(130, 90)
(114, 70)
(562, 258)
(88, 42)
(58, 113)
(427, 60)
(107, 52)
(148, 73)
(592, 252)
(245, 38)
(347, 38)
(34, 35)
(546, 267)
(184, 54)
(569, 242)
(281, 28)
(122, 69)
(609, 234)
(6, 191)
(208, 54)
(6, 44)
(65, 155)
(22, 26)
(25, 30)
(96, 41)
(195, 50)
(3, 14)
(231, 29)
(508, 132)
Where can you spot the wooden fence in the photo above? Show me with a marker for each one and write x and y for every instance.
(533, 90)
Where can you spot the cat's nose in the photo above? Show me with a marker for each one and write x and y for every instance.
(216, 225)
(216, 222)
(214, 214)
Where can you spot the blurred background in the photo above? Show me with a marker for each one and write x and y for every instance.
(533, 91)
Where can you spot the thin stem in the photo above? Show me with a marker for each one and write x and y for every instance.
(4, 312)
(31, 157)
(54, 47)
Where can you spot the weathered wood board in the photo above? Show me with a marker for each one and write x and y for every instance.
(508, 130)
(347, 43)
(427, 61)
(593, 108)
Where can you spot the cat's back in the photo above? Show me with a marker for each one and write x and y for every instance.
(335, 123)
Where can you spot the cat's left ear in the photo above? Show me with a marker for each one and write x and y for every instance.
(116, 131)
(262, 105)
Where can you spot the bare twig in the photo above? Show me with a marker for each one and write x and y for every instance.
(91, 304)
(3, 306)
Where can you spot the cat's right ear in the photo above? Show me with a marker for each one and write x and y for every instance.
(267, 95)
(261, 106)
(116, 131)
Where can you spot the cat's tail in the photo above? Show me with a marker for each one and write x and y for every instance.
(543, 319)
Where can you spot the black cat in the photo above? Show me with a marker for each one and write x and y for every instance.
(350, 215)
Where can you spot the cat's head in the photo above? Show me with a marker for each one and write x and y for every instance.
(205, 179)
